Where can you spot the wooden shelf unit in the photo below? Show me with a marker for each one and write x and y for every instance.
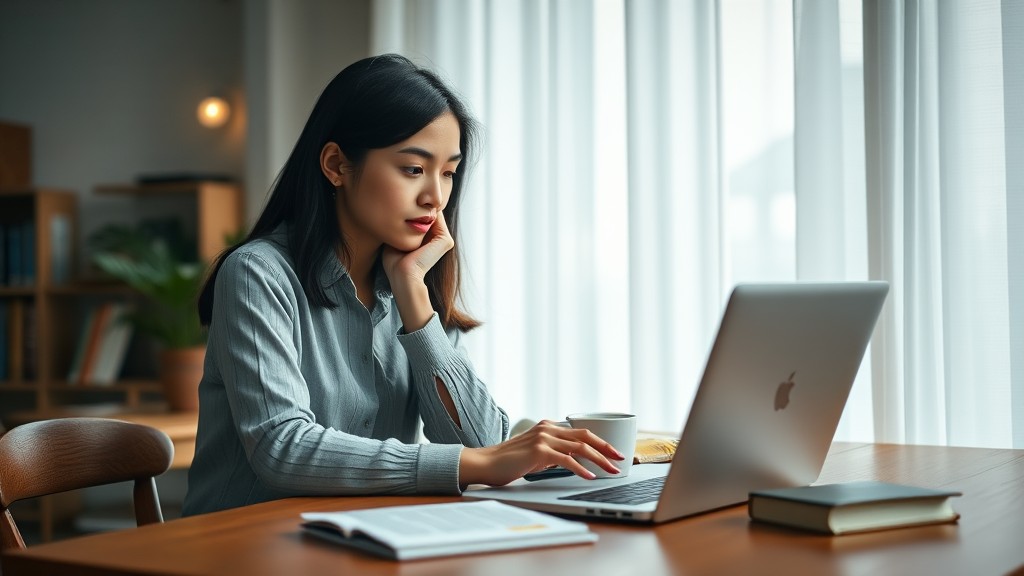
(38, 323)
(57, 318)
(56, 306)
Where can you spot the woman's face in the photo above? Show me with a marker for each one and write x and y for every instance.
(401, 189)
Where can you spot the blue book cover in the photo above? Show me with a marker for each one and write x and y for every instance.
(14, 255)
(28, 253)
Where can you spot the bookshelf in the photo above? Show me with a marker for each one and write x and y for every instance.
(44, 304)
(37, 227)
(42, 311)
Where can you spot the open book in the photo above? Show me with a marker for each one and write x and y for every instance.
(428, 530)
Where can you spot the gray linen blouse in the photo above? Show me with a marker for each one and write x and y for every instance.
(303, 400)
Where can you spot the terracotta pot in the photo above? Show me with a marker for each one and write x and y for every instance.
(180, 373)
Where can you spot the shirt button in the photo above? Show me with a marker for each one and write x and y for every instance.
(366, 357)
(366, 424)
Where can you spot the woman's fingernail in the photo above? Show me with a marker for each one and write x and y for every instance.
(590, 475)
(619, 454)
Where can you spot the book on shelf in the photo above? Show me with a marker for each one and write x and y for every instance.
(89, 345)
(446, 529)
(18, 265)
(60, 249)
(102, 345)
(116, 337)
(28, 253)
(12, 267)
(852, 507)
(83, 342)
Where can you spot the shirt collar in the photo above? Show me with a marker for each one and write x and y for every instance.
(332, 271)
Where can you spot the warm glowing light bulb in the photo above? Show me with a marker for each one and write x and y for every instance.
(213, 112)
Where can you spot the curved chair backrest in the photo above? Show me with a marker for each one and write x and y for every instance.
(54, 456)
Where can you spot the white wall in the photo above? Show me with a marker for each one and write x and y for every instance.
(293, 49)
(110, 87)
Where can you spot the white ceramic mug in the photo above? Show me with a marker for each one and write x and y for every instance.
(617, 429)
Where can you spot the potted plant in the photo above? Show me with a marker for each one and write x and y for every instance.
(153, 259)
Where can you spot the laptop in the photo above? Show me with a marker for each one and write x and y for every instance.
(764, 415)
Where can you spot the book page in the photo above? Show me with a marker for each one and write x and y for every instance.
(443, 519)
(429, 524)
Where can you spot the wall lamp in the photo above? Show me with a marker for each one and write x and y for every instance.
(213, 112)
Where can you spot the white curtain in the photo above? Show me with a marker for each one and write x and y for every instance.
(545, 231)
(641, 157)
(945, 218)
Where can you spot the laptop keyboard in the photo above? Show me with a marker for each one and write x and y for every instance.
(635, 493)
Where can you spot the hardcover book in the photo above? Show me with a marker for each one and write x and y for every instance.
(852, 507)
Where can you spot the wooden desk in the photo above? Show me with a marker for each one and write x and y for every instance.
(266, 538)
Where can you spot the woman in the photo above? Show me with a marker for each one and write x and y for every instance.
(334, 329)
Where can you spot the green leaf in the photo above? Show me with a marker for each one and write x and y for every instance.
(149, 265)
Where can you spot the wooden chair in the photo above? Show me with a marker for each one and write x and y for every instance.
(65, 454)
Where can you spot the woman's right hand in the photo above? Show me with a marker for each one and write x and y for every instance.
(545, 445)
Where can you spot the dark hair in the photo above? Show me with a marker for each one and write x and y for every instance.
(373, 103)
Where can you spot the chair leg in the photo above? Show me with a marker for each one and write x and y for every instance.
(10, 538)
(147, 502)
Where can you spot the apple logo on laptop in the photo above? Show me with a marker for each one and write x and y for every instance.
(782, 393)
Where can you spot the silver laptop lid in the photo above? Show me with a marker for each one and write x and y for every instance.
(774, 387)
(773, 390)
